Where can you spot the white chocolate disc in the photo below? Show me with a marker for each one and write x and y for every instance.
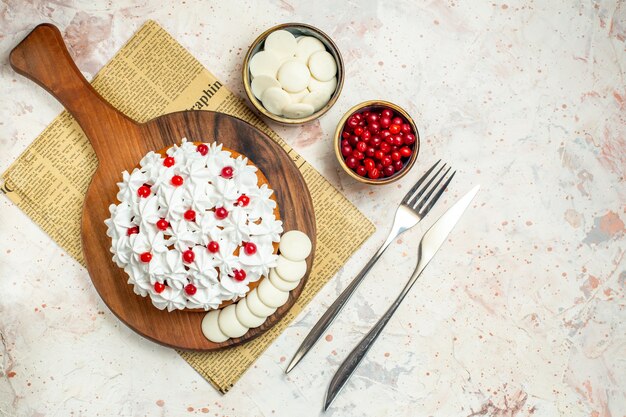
(297, 110)
(317, 99)
(256, 306)
(264, 63)
(210, 328)
(245, 316)
(270, 295)
(327, 87)
(290, 270)
(293, 76)
(297, 97)
(322, 65)
(229, 324)
(282, 43)
(307, 46)
(280, 283)
(261, 83)
(295, 245)
(275, 99)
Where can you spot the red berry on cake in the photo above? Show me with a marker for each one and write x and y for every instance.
(190, 215)
(189, 256)
(145, 257)
(243, 200)
(177, 180)
(143, 191)
(190, 289)
(221, 213)
(162, 224)
(159, 287)
(227, 172)
(169, 162)
(249, 248)
(239, 274)
(213, 246)
(202, 149)
(132, 230)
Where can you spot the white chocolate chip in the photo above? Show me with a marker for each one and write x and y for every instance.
(210, 328)
(322, 65)
(307, 46)
(246, 317)
(295, 245)
(293, 76)
(261, 83)
(256, 306)
(280, 283)
(264, 63)
(297, 110)
(297, 97)
(229, 324)
(282, 43)
(290, 270)
(270, 295)
(275, 99)
(327, 87)
(317, 99)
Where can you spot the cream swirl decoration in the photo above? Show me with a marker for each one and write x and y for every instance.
(193, 229)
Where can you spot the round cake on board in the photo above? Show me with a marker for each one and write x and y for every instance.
(196, 227)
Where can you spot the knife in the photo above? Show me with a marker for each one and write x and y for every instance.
(430, 243)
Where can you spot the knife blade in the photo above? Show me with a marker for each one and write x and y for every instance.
(428, 247)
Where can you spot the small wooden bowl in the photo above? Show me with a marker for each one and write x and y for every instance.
(368, 105)
(296, 29)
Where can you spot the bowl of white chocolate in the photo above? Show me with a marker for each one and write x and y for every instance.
(293, 73)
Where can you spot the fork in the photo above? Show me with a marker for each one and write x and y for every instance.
(414, 206)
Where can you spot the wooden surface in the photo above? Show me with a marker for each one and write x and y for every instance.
(120, 143)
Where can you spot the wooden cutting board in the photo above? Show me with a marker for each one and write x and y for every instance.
(120, 143)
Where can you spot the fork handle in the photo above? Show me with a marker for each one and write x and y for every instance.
(333, 311)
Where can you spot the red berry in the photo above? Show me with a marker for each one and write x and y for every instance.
(159, 287)
(143, 191)
(361, 171)
(132, 230)
(397, 121)
(361, 146)
(351, 162)
(372, 118)
(379, 166)
(370, 152)
(249, 248)
(345, 134)
(366, 135)
(358, 154)
(189, 256)
(169, 161)
(376, 141)
(385, 134)
(239, 274)
(162, 224)
(227, 172)
(386, 161)
(366, 113)
(405, 151)
(177, 180)
(387, 113)
(358, 117)
(346, 150)
(379, 154)
(353, 140)
(398, 140)
(145, 257)
(345, 143)
(190, 215)
(190, 289)
(352, 122)
(374, 173)
(369, 164)
(385, 147)
(406, 128)
(243, 200)
(395, 156)
(221, 213)
(409, 139)
(395, 129)
(385, 122)
(358, 130)
(213, 246)
(398, 165)
(202, 149)
(373, 127)
(389, 170)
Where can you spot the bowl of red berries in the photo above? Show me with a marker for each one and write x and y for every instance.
(376, 142)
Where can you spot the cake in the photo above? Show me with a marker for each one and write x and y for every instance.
(195, 227)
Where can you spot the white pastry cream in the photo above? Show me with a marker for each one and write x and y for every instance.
(193, 229)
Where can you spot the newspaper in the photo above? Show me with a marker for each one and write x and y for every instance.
(152, 75)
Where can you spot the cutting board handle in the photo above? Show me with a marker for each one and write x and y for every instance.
(43, 57)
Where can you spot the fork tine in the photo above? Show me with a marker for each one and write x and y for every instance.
(439, 193)
(418, 195)
(419, 182)
(429, 192)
